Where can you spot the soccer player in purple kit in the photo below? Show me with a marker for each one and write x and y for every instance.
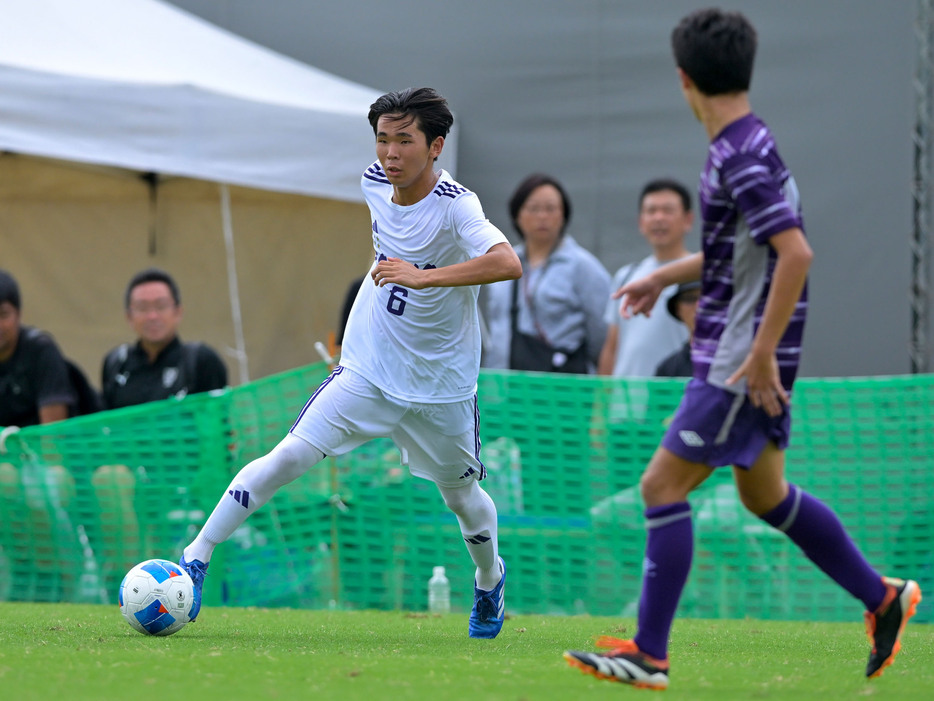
(750, 320)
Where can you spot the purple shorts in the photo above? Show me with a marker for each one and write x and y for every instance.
(715, 427)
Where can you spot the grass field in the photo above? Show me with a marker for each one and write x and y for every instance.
(72, 652)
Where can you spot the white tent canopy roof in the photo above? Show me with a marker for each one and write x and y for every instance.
(142, 85)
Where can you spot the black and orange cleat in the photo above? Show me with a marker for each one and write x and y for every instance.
(624, 662)
(884, 627)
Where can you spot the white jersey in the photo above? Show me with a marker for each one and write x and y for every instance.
(420, 345)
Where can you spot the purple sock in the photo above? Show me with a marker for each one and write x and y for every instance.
(669, 548)
(814, 528)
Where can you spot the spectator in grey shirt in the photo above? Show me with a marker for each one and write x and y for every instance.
(550, 320)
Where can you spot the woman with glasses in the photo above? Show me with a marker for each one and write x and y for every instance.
(551, 319)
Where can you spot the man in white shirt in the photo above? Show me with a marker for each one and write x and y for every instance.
(634, 347)
(411, 351)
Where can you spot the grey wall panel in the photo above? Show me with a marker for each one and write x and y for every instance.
(586, 90)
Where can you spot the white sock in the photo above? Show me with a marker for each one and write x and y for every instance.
(476, 514)
(253, 486)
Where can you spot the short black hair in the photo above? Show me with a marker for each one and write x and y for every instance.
(9, 290)
(152, 275)
(716, 50)
(525, 189)
(665, 185)
(424, 106)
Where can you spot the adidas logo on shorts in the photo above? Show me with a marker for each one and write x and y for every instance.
(691, 439)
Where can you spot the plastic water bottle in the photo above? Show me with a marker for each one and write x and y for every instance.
(439, 592)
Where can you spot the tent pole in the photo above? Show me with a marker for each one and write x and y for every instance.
(240, 351)
(152, 182)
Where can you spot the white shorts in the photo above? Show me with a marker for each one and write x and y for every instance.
(439, 442)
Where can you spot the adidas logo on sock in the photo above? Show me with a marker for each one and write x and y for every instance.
(241, 497)
(478, 539)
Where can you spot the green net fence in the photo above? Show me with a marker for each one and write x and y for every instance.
(85, 499)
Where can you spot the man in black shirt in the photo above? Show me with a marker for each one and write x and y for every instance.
(34, 389)
(34, 383)
(158, 365)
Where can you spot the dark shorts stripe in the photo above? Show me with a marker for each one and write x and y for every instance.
(476, 433)
(337, 371)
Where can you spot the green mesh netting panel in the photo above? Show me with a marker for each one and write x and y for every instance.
(83, 500)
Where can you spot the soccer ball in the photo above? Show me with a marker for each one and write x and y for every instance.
(155, 597)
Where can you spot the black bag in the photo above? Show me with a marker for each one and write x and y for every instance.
(536, 354)
(531, 353)
(87, 399)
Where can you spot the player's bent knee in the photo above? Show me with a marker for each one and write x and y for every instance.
(669, 480)
(657, 489)
(759, 502)
(458, 499)
(653, 491)
(288, 461)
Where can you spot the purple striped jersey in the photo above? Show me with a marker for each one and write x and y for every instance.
(747, 195)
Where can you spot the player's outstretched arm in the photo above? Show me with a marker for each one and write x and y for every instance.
(639, 296)
(499, 263)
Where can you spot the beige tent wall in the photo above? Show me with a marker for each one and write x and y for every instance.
(73, 236)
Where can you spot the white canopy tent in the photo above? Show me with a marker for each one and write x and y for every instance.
(143, 86)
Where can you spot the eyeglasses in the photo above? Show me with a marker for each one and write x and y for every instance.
(666, 209)
(160, 305)
(541, 209)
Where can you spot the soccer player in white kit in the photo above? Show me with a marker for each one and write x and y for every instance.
(411, 351)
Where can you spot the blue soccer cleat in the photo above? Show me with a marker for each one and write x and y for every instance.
(197, 570)
(489, 609)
